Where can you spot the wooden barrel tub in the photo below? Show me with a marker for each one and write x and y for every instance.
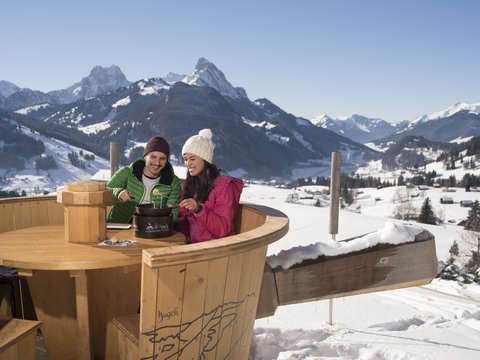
(197, 300)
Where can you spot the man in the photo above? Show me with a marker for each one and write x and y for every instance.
(149, 179)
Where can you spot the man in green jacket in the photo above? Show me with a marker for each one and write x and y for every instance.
(150, 179)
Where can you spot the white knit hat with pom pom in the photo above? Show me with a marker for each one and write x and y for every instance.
(200, 145)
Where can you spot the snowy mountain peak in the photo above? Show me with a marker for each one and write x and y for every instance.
(99, 81)
(7, 88)
(461, 106)
(172, 78)
(356, 127)
(207, 74)
(321, 120)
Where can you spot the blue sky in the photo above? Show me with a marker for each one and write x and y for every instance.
(389, 59)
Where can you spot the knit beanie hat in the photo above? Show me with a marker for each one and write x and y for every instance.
(200, 145)
(157, 143)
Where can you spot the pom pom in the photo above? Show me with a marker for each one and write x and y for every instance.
(206, 133)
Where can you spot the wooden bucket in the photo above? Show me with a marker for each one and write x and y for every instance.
(85, 211)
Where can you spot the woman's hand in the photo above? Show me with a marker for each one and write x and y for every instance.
(125, 196)
(190, 204)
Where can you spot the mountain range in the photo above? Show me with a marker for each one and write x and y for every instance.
(255, 139)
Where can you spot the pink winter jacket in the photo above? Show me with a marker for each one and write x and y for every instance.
(215, 219)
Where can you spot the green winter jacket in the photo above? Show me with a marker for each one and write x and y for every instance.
(168, 189)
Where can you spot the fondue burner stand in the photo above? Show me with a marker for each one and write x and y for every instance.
(151, 227)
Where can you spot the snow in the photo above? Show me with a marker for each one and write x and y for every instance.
(29, 109)
(437, 321)
(122, 102)
(390, 234)
(473, 108)
(50, 180)
(95, 128)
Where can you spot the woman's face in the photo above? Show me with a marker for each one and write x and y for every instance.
(193, 163)
(155, 161)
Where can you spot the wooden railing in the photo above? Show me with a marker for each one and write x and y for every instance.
(23, 212)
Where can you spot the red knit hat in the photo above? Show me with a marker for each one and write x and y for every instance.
(157, 143)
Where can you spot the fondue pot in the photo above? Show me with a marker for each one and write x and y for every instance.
(152, 222)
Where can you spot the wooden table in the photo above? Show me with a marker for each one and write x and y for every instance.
(78, 288)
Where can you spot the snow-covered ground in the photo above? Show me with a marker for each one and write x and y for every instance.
(437, 321)
(36, 182)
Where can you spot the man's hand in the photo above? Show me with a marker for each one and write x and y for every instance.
(125, 196)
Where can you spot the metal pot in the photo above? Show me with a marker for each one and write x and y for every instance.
(151, 210)
(152, 227)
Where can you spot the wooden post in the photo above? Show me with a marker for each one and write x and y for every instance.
(334, 208)
(85, 211)
(114, 157)
(334, 193)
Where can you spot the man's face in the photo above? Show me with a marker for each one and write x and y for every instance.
(155, 161)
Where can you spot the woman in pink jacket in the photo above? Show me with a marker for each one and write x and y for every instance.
(209, 199)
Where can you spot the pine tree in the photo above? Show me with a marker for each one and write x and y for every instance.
(426, 213)
(473, 224)
(473, 218)
(454, 251)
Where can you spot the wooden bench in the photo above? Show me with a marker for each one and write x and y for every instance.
(19, 213)
(199, 300)
(18, 339)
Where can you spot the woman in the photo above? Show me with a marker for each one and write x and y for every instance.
(209, 199)
(148, 179)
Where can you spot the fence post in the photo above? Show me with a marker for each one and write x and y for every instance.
(114, 157)
(334, 210)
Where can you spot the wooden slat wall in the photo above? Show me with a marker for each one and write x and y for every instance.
(203, 308)
(217, 277)
(55, 212)
(19, 213)
(6, 214)
(22, 215)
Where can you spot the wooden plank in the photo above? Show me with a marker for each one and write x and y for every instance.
(217, 275)
(83, 314)
(45, 248)
(38, 213)
(7, 216)
(22, 350)
(259, 265)
(130, 326)
(234, 272)
(112, 292)
(148, 310)
(193, 310)
(22, 215)
(85, 186)
(14, 332)
(273, 226)
(409, 264)
(268, 298)
(53, 294)
(127, 329)
(164, 336)
(76, 219)
(55, 212)
(170, 296)
(244, 297)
